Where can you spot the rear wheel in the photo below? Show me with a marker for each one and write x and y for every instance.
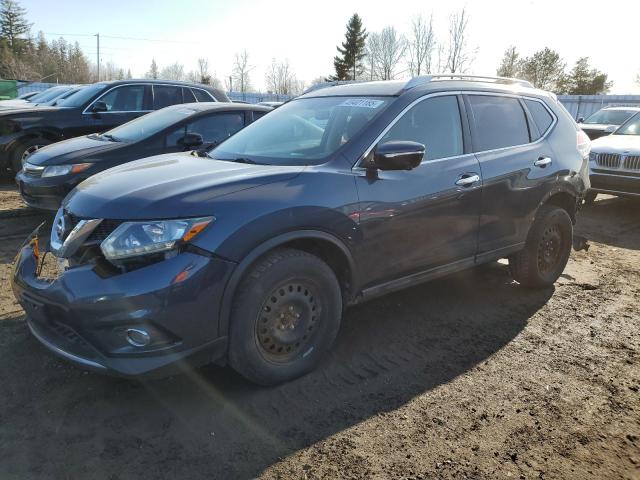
(24, 150)
(285, 316)
(546, 251)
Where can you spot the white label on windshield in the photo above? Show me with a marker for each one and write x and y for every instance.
(362, 103)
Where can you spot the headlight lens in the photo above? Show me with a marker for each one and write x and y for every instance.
(132, 239)
(57, 170)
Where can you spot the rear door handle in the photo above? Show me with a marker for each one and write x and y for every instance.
(468, 179)
(542, 162)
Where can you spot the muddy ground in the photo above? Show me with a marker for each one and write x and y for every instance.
(469, 376)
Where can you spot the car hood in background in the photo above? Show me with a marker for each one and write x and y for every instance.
(168, 186)
(74, 150)
(622, 144)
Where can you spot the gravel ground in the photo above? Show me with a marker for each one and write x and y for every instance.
(468, 376)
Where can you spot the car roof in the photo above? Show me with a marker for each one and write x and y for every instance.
(426, 84)
(630, 109)
(217, 93)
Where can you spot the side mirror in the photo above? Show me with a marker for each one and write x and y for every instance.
(99, 106)
(580, 119)
(610, 128)
(398, 155)
(191, 140)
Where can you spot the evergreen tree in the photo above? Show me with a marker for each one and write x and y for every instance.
(348, 65)
(13, 25)
(545, 69)
(584, 80)
(510, 64)
(153, 71)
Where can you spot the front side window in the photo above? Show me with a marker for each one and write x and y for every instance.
(435, 123)
(214, 128)
(609, 117)
(129, 98)
(303, 131)
(499, 122)
(166, 95)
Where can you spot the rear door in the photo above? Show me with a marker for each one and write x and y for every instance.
(427, 217)
(517, 167)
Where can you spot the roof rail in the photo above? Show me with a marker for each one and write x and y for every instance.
(331, 83)
(424, 79)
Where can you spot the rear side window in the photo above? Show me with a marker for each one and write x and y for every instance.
(188, 95)
(499, 122)
(541, 116)
(201, 95)
(435, 123)
(165, 95)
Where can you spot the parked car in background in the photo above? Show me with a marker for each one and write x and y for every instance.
(26, 96)
(250, 256)
(52, 172)
(58, 99)
(614, 162)
(40, 97)
(95, 108)
(606, 120)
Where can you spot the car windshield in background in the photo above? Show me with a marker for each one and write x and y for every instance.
(302, 132)
(81, 96)
(632, 127)
(150, 124)
(609, 117)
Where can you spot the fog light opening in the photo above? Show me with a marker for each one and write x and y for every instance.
(138, 337)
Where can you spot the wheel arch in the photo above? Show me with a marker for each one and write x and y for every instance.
(564, 198)
(326, 246)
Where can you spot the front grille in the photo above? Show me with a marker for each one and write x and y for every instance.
(632, 162)
(608, 160)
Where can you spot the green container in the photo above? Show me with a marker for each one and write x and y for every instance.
(8, 89)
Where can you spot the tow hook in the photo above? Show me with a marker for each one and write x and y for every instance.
(580, 243)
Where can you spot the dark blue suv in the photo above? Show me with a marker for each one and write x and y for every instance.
(345, 193)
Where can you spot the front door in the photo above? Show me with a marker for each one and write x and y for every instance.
(123, 103)
(427, 217)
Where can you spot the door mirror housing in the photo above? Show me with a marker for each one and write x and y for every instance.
(610, 128)
(99, 106)
(580, 119)
(191, 140)
(398, 155)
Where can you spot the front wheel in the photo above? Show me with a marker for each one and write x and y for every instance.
(285, 316)
(546, 250)
(24, 151)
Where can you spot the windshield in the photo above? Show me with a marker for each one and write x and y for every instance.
(632, 127)
(610, 117)
(147, 125)
(48, 94)
(82, 96)
(302, 132)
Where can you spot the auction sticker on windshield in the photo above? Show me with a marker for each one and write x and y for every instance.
(362, 103)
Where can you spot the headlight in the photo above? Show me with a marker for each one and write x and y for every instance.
(132, 239)
(57, 170)
(592, 156)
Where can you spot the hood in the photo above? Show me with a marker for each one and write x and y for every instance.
(622, 144)
(6, 104)
(74, 150)
(168, 186)
(28, 114)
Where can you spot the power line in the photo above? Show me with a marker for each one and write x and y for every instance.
(116, 37)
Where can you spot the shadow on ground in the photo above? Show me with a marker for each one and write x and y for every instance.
(612, 221)
(62, 422)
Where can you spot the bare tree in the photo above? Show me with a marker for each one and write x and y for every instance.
(638, 78)
(203, 70)
(385, 50)
(421, 45)
(281, 80)
(240, 77)
(459, 55)
(174, 71)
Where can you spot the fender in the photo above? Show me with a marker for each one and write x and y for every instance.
(52, 135)
(257, 252)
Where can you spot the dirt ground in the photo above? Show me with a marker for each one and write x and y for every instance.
(469, 376)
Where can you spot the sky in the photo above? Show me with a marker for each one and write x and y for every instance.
(306, 33)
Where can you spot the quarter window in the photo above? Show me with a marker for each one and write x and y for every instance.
(435, 123)
(499, 122)
(129, 98)
(201, 95)
(541, 116)
(165, 95)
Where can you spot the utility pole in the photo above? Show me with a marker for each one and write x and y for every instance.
(97, 35)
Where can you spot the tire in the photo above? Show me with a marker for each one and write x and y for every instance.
(23, 150)
(589, 198)
(285, 315)
(546, 250)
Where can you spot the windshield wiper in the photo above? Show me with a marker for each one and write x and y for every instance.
(245, 160)
(109, 137)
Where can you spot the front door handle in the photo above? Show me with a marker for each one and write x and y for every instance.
(542, 162)
(468, 179)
